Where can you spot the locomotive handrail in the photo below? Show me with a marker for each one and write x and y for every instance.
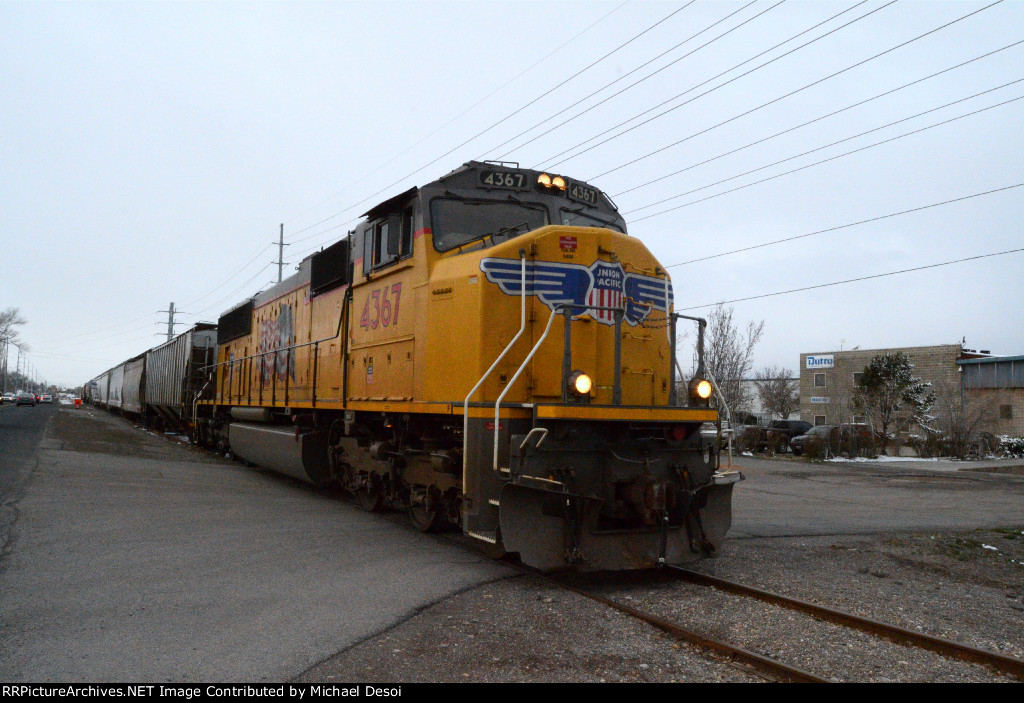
(266, 353)
(465, 403)
(497, 420)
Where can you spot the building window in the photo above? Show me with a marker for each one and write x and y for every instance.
(857, 377)
(819, 420)
(1006, 412)
(819, 380)
(859, 420)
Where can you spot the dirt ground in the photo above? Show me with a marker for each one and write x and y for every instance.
(968, 587)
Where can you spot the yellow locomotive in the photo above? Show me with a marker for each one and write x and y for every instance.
(490, 351)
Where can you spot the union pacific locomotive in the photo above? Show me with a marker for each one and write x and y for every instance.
(489, 351)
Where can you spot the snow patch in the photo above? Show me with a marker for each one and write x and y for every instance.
(880, 459)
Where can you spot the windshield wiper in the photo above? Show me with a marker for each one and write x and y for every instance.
(496, 233)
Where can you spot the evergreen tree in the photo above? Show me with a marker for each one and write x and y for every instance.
(890, 393)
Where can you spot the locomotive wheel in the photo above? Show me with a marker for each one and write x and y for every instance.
(371, 499)
(424, 517)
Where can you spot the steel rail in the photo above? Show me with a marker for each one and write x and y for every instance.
(901, 635)
(772, 667)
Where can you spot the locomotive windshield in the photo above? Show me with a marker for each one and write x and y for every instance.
(578, 218)
(458, 222)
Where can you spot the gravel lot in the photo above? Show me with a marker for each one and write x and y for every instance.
(522, 629)
(525, 629)
(951, 585)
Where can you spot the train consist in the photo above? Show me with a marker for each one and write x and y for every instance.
(489, 351)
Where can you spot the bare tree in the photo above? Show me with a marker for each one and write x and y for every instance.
(960, 420)
(776, 392)
(10, 321)
(728, 355)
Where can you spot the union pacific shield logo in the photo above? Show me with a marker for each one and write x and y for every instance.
(602, 285)
(607, 291)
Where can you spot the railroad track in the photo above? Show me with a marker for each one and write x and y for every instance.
(764, 665)
(779, 670)
(998, 662)
(772, 668)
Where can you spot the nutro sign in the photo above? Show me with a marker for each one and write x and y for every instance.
(820, 361)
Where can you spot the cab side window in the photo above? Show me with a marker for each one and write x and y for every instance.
(387, 240)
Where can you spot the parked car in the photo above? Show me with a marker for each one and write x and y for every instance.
(851, 439)
(815, 437)
(26, 399)
(780, 432)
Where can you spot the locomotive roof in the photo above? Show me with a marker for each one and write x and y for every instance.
(389, 204)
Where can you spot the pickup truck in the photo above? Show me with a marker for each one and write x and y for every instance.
(780, 432)
(775, 437)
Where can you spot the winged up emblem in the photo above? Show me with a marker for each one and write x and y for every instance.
(601, 285)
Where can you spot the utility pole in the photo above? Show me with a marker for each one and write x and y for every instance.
(170, 320)
(280, 254)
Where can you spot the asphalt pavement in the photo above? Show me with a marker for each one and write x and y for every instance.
(134, 558)
(786, 498)
(21, 428)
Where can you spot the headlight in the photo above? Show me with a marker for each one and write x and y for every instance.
(580, 383)
(704, 390)
(700, 390)
(558, 182)
(544, 179)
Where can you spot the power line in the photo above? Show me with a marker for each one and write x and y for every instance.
(778, 134)
(831, 158)
(54, 346)
(502, 120)
(93, 332)
(844, 226)
(746, 73)
(854, 280)
(711, 90)
(225, 281)
(824, 146)
(235, 291)
(563, 123)
(461, 114)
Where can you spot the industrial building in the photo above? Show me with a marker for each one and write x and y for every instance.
(828, 380)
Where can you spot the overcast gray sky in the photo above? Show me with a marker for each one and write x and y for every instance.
(150, 151)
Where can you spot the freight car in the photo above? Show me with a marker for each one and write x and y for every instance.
(161, 386)
(490, 351)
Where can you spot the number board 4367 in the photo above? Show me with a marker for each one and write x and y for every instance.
(582, 193)
(505, 179)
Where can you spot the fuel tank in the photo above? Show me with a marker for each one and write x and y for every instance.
(299, 455)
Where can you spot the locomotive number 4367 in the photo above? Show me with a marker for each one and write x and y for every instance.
(381, 309)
